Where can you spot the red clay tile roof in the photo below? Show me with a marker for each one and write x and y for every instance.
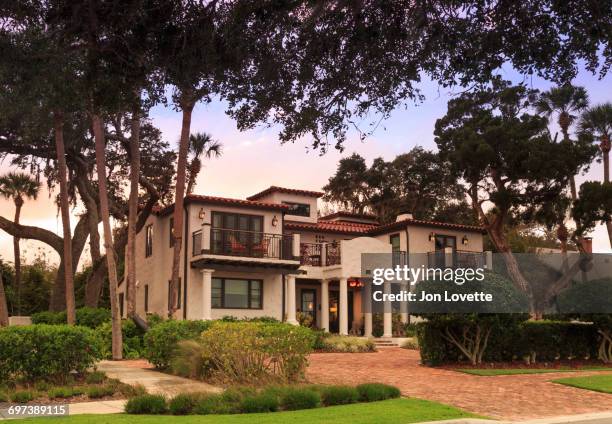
(273, 189)
(353, 228)
(344, 214)
(422, 223)
(195, 198)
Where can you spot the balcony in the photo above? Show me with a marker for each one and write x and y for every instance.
(456, 259)
(250, 244)
(320, 254)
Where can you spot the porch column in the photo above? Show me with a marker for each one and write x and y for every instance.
(367, 314)
(343, 313)
(291, 299)
(325, 305)
(404, 305)
(387, 316)
(206, 293)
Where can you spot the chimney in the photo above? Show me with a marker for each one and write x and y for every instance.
(403, 216)
(587, 244)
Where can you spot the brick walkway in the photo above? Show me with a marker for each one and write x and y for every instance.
(503, 397)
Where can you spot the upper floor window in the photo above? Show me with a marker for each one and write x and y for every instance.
(149, 240)
(394, 239)
(299, 209)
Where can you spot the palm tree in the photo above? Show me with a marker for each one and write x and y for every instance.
(596, 122)
(4, 318)
(18, 186)
(564, 101)
(200, 144)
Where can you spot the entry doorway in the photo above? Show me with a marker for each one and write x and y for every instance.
(308, 304)
(334, 311)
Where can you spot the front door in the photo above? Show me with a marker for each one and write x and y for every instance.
(334, 310)
(308, 304)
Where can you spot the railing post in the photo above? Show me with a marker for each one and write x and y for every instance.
(296, 246)
(206, 227)
(448, 257)
(323, 254)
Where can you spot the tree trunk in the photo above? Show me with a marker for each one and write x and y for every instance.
(4, 317)
(605, 150)
(117, 342)
(65, 209)
(17, 253)
(133, 213)
(187, 105)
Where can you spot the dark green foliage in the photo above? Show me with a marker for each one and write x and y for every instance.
(215, 404)
(160, 342)
(87, 317)
(184, 403)
(372, 392)
(96, 392)
(132, 339)
(95, 377)
(262, 402)
(293, 399)
(46, 351)
(147, 404)
(339, 395)
(410, 330)
(63, 392)
(23, 396)
(319, 338)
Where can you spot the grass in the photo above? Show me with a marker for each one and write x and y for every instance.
(486, 372)
(394, 411)
(596, 383)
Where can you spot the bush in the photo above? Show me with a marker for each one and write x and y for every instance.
(97, 392)
(160, 342)
(41, 351)
(132, 339)
(188, 360)
(372, 392)
(410, 330)
(146, 404)
(246, 352)
(85, 316)
(23, 396)
(184, 403)
(293, 399)
(263, 402)
(214, 404)
(319, 338)
(339, 395)
(3, 396)
(347, 344)
(95, 377)
(411, 344)
(60, 392)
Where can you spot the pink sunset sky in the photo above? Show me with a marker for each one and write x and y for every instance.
(253, 160)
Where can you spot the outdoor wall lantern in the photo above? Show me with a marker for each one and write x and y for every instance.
(464, 240)
(432, 236)
(274, 221)
(201, 214)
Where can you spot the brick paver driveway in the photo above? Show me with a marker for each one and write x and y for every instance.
(504, 397)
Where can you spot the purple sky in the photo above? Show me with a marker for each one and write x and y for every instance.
(253, 160)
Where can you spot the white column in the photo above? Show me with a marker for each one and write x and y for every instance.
(404, 305)
(343, 313)
(387, 315)
(448, 257)
(367, 315)
(291, 299)
(325, 305)
(489, 260)
(206, 293)
(295, 246)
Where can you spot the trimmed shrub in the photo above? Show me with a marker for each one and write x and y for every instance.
(96, 392)
(347, 344)
(23, 396)
(95, 377)
(48, 317)
(85, 316)
(246, 352)
(214, 404)
(372, 392)
(160, 342)
(184, 403)
(60, 392)
(263, 402)
(319, 338)
(411, 344)
(146, 404)
(293, 399)
(188, 360)
(46, 351)
(339, 395)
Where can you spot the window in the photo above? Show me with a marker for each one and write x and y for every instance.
(121, 304)
(237, 294)
(149, 240)
(146, 298)
(394, 239)
(299, 209)
(178, 295)
(171, 232)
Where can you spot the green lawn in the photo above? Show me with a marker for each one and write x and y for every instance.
(597, 383)
(395, 411)
(489, 372)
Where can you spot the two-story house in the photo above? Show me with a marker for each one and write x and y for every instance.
(272, 255)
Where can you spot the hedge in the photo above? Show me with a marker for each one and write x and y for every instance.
(87, 317)
(46, 351)
(161, 341)
(529, 340)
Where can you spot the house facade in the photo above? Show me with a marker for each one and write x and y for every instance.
(272, 255)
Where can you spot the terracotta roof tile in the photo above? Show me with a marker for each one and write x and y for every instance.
(273, 189)
(195, 198)
(422, 223)
(344, 214)
(331, 227)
